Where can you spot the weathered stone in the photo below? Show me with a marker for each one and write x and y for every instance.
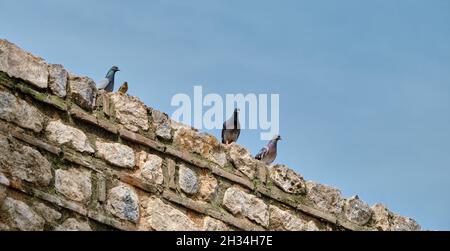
(381, 217)
(357, 211)
(4, 180)
(151, 168)
(188, 180)
(162, 123)
(219, 156)
(208, 187)
(63, 134)
(242, 159)
(130, 112)
(123, 203)
(171, 169)
(116, 154)
(21, 64)
(207, 146)
(102, 101)
(281, 220)
(400, 223)
(211, 224)
(139, 139)
(28, 164)
(101, 187)
(58, 77)
(31, 140)
(311, 226)
(241, 203)
(5, 151)
(23, 162)
(163, 217)
(83, 91)
(48, 213)
(287, 179)
(2, 195)
(21, 216)
(16, 110)
(74, 183)
(325, 197)
(4, 227)
(72, 224)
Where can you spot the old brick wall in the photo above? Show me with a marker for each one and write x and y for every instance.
(73, 158)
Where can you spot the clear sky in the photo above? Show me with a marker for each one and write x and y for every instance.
(364, 85)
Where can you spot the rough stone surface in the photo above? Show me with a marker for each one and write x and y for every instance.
(188, 180)
(130, 112)
(48, 213)
(211, 224)
(3, 180)
(287, 179)
(242, 159)
(22, 216)
(151, 168)
(208, 187)
(241, 203)
(163, 217)
(83, 91)
(16, 110)
(207, 146)
(2, 194)
(63, 134)
(123, 203)
(58, 78)
(381, 217)
(357, 211)
(401, 223)
(116, 154)
(74, 183)
(4, 227)
(311, 226)
(72, 224)
(5, 149)
(324, 197)
(281, 220)
(28, 164)
(162, 123)
(21, 64)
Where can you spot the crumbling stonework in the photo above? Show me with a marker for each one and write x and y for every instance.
(76, 159)
(82, 91)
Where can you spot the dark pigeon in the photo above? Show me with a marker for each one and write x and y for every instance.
(269, 153)
(107, 83)
(231, 129)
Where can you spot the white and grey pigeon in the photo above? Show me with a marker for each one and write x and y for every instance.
(231, 129)
(107, 83)
(269, 153)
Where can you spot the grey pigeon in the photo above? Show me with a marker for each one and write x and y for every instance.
(231, 129)
(269, 153)
(107, 83)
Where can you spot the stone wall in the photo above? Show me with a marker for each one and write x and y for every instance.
(74, 158)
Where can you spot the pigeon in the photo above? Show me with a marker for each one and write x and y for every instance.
(107, 83)
(124, 88)
(231, 129)
(269, 153)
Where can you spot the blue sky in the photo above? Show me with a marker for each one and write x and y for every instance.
(364, 85)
